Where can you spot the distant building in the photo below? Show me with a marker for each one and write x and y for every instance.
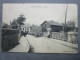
(25, 28)
(14, 25)
(34, 29)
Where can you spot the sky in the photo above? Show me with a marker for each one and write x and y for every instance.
(37, 13)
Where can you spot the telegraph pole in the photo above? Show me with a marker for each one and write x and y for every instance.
(65, 34)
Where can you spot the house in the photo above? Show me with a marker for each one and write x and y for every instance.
(55, 30)
(51, 26)
(14, 25)
(25, 28)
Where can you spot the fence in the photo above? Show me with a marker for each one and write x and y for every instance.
(57, 35)
(10, 38)
(71, 37)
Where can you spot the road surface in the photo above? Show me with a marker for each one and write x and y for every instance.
(43, 45)
(48, 45)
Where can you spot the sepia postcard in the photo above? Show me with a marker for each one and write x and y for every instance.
(40, 28)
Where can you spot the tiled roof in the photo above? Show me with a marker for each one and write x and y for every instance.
(25, 26)
(54, 23)
(15, 23)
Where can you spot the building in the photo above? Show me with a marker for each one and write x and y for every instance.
(34, 29)
(52, 26)
(56, 30)
(25, 28)
(14, 25)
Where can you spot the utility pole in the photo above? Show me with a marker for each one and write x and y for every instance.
(65, 34)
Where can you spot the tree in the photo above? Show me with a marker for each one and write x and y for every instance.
(71, 24)
(20, 20)
(5, 25)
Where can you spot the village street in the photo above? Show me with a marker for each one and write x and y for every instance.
(34, 44)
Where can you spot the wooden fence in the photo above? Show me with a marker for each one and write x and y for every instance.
(10, 38)
(71, 37)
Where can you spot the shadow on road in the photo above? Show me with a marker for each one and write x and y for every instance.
(31, 49)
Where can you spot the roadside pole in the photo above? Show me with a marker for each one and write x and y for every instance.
(65, 32)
